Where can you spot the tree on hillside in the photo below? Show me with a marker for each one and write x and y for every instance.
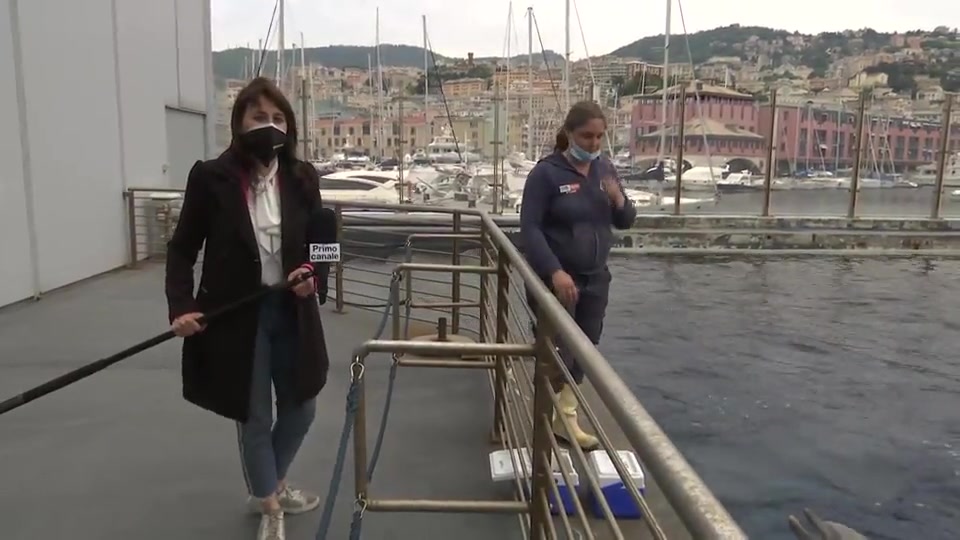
(900, 76)
(874, 40)
(951, 83)
(816, 59)
(477, 71)
(373, 80)
(632, 86)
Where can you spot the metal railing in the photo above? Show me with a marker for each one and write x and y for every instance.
(481, 288)
(524, 369)
(152, 216)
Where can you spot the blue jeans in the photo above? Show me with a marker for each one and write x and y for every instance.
(267, 448)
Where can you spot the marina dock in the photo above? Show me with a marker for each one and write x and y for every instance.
(126, 431)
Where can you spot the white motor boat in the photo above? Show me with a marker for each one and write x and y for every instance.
(361, 186)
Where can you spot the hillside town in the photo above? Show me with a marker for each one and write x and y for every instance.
(501, 107)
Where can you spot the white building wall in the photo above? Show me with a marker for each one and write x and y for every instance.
(16, 280)
(93, 83)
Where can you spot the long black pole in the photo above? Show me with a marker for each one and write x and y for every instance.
(85, 371)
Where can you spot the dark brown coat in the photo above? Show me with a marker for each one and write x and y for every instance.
(218, 362)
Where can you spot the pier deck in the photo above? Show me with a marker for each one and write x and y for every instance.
(122, 455)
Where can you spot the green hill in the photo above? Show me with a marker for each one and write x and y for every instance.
(554, 58)
(229, 64)
(814, 51)
(723, 41)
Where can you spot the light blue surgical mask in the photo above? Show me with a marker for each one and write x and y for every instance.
(581, 155)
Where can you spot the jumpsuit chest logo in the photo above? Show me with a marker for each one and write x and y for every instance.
(569, 188)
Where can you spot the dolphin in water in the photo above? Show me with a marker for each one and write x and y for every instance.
(822, 530)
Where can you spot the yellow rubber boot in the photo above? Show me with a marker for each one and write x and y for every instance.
(568, 408)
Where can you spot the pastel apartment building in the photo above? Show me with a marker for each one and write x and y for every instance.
(729, 125)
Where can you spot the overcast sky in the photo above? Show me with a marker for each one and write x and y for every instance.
(456, 27)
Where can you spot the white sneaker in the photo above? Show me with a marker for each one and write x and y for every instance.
(295, 501)
(272, 527)
(292, 501)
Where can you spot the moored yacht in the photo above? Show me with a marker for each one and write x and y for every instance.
(447, 149)
(351, 158)
(927, 174)
(363, 186)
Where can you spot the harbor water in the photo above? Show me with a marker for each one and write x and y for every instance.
(915, 202)
(826, 383)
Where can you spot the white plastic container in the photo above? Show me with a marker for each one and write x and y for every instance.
(618, 498)
(501, 470)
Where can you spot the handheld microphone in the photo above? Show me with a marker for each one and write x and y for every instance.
(322, 245)
(322, 248)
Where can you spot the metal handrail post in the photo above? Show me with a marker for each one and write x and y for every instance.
(682, 106)
(360, 461)
(857, 157)
(338, 268)
(500, 371)
(131, 226)
(484, 261)
(942, 156)
(503, 291)
(455, 281)
(395, 323)
(771, 145)
(542, 410)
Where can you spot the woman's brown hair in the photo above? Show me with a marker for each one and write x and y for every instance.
(250, 95)
(578, 116)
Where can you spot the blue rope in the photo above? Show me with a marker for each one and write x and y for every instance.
(356, 523)
(383, 421)
(353, 403)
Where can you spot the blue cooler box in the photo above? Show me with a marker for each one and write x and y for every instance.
(619, 500)
(501, 470)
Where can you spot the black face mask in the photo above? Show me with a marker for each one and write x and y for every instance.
(263, 143)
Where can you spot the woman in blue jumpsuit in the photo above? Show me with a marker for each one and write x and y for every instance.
(571, 200)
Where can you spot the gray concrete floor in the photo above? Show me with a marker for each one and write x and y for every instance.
(121, 455)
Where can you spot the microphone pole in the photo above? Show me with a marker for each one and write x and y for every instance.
(99, 365)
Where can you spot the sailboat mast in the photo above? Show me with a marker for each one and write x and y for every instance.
(304, 120)
(370, 81)
(313, 114)
(303, 58)
(616, 120)
(379, 88)
(665, 75)
(426, 71)
(836, 145)
(566, 62)
(246, 63)
(506, 128)
(281, 40)
(530, 83)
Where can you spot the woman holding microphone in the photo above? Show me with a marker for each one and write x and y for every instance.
(248, 209)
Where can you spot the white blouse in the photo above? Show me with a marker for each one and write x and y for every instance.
(264, 206)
